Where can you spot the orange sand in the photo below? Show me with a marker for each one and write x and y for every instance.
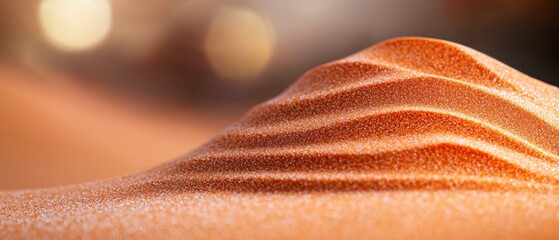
(411, 138)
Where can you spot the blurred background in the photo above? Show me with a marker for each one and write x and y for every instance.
(91, 89)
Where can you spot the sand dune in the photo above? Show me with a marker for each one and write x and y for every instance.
(412, 137)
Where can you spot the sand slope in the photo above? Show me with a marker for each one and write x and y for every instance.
(412, 137)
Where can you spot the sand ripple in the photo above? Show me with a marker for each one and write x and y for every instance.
(411, 138)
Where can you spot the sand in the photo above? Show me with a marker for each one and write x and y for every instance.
(411, 138)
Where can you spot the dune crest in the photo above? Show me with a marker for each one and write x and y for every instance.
(413, 128)
(405, 111)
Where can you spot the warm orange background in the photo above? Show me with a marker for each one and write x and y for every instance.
(54, 132)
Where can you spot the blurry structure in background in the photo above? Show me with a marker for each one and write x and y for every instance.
(75, 25)
(191, 62)
(189, 50)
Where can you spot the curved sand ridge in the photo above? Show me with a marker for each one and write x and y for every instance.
(438, 139)
(404, 114)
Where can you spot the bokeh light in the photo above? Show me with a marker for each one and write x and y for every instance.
(75, 25)
(239, 43)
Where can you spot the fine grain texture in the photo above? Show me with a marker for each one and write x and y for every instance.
(411, 138)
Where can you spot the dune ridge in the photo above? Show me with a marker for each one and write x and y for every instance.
(422, 106)
(439, 139)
